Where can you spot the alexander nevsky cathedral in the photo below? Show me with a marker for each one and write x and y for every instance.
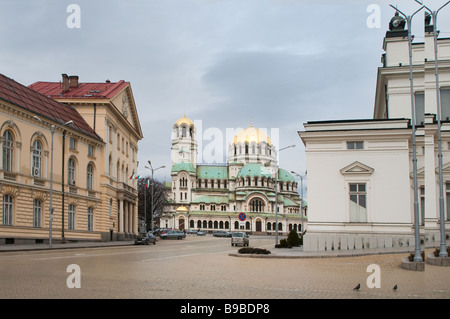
(212, 197)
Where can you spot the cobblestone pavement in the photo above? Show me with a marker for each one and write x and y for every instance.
(201, 267)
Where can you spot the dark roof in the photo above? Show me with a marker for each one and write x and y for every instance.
(43, 106)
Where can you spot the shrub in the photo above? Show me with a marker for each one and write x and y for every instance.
(283, 244)
(251, 250)
(411, 256)
(293, 238)
(436, 252)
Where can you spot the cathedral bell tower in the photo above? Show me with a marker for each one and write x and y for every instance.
(184, 144)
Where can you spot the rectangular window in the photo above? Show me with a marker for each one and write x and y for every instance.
(90, 219)
(90, 150)
(37, 213)
(71, 225)
(445, 104)
(72, 143)
(359, 145)
(419, 101)
(7, 210)
(358, 200)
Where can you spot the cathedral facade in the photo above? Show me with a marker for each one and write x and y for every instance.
(212, 197)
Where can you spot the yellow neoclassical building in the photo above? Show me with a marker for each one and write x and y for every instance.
(94, 129)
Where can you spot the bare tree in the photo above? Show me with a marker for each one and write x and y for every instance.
(147, 200)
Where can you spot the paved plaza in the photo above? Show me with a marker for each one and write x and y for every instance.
(203, 268)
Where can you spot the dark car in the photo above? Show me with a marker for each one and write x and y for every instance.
(178, 234)
(145, 239)
(221, 233)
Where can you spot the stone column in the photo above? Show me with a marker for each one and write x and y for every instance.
(121, 216)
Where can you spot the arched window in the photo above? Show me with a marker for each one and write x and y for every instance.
(199, 224)
(236, 225)
(205, 225)
(183, 131)
(71, 172)
(8, 151)
(216, 224)
(89, 177)
(37, 213)
(210, 224)
(257, 205)
(71, 225)
(37, 159)
(191, 224)
(7, 209)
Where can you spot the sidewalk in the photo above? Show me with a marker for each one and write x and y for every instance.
(297, 252)
(69, 245)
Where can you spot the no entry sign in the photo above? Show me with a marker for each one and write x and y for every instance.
(242, 217)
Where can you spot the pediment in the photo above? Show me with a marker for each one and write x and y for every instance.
(125, 104)
(357, 168)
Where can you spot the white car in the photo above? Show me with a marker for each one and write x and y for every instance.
(239, 239)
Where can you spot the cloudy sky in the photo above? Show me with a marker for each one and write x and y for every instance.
(227, 63)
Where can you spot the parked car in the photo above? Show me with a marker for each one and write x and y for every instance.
(239, 239)
(178, 234)
(221, 233)
(145, 239)
(192, 231)
(201, 233)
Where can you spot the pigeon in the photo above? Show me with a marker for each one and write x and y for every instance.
(357, 287)
(395, 287)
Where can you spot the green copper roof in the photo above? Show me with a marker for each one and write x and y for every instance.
(208, 199)
(212, 172)
(285, 176)
(183, 166)
(254, 169)
(290, 202)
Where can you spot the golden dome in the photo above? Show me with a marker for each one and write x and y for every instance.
(184, 120)
(182, 209)
(250, 135)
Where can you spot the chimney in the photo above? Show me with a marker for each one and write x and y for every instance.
(65, 83)
(73, 81)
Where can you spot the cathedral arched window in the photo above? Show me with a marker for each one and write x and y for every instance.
(257, 205)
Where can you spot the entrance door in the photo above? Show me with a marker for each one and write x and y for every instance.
(258, 225)
(181, 223)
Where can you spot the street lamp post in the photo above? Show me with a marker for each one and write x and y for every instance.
(276, 193)
(417, 254)
(442, 248)
(151, 191)
(301, 195)
(51, 209)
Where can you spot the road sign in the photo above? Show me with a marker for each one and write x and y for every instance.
(242, 217)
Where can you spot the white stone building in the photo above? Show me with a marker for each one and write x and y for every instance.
(364, 167)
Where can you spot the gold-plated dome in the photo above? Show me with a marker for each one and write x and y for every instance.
(184, 120)
(250, 135)
(182, 209)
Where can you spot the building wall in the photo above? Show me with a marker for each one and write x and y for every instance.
(24, 187)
